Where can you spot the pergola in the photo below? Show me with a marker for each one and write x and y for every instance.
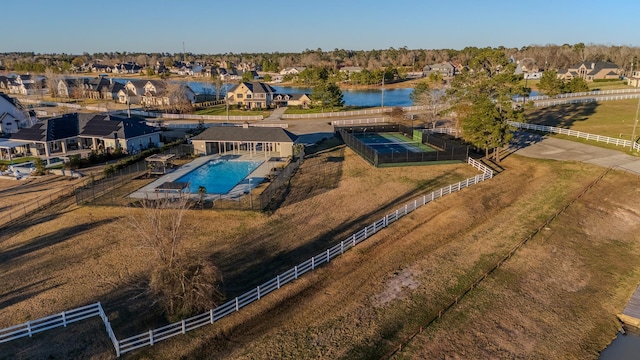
(8, 146)
(159, 163)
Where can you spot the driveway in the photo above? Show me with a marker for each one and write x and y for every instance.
(540, 147)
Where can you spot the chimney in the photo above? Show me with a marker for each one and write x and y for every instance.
(245, 125)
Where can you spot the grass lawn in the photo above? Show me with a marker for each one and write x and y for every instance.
(604, 85)
(221, 110)
(558, 295)
(17, 161)
(608, 118)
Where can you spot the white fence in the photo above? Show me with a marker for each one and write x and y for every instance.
(579, 94)
(193, 116)
(359, 121)
(586, 100)
(171, 125)
(579, 134)
(351, 113)
(148, 338)
(58, 320)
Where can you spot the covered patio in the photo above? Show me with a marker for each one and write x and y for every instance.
(254, 141)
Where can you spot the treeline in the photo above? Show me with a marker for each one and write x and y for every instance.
(542, 57)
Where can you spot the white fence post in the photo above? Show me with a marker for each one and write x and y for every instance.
(211, 316)
(64, 319)
(258, 292)
(151, 335)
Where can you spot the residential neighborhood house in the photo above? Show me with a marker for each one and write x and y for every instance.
(80, 133)
(445, 69)
(634, 79)
(13, 116)
(591, 71)
(251, 95)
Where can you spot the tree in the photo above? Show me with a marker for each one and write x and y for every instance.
(550, 84)
(181, 281)
(267, 78)
(482, 98)
(178, 98)
(247, 76)
(434, 99)
(576, 84)
(327, 95)
(486, 127)
(398, 115)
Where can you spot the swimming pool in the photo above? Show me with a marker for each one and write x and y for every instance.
(218, 176)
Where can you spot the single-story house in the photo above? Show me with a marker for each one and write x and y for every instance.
(270, 141)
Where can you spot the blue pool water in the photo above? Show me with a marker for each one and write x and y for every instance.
(218, 176)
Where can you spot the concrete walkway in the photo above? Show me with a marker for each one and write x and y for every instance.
(275, 114)
(540, 147)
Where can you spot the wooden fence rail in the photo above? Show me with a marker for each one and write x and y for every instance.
(150, 337)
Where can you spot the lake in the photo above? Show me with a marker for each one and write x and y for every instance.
(624, 346)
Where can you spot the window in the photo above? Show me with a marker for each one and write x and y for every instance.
(239, 96)
(248, 96)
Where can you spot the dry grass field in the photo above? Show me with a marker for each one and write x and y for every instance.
(563, 288)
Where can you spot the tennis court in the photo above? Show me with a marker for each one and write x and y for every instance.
(389, 143)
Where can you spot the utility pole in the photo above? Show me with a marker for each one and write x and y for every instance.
(226, 96)
(635, 124)
(382, 93)
(184, 54)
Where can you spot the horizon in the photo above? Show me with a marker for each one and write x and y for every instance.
(77, 27)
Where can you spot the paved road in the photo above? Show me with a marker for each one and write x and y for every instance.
(536, 146)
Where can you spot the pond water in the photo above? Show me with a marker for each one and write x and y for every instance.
(624, 346)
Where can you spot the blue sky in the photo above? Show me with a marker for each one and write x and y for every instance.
(210, 26)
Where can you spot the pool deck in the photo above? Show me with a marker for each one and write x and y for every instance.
(251, 181)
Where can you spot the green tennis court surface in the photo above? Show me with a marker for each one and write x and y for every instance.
(387, 143)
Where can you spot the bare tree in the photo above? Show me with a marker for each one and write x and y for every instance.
(181, 282)
(178, 98)
(52, 82)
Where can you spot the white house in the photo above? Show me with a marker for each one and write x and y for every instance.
(13, 116)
